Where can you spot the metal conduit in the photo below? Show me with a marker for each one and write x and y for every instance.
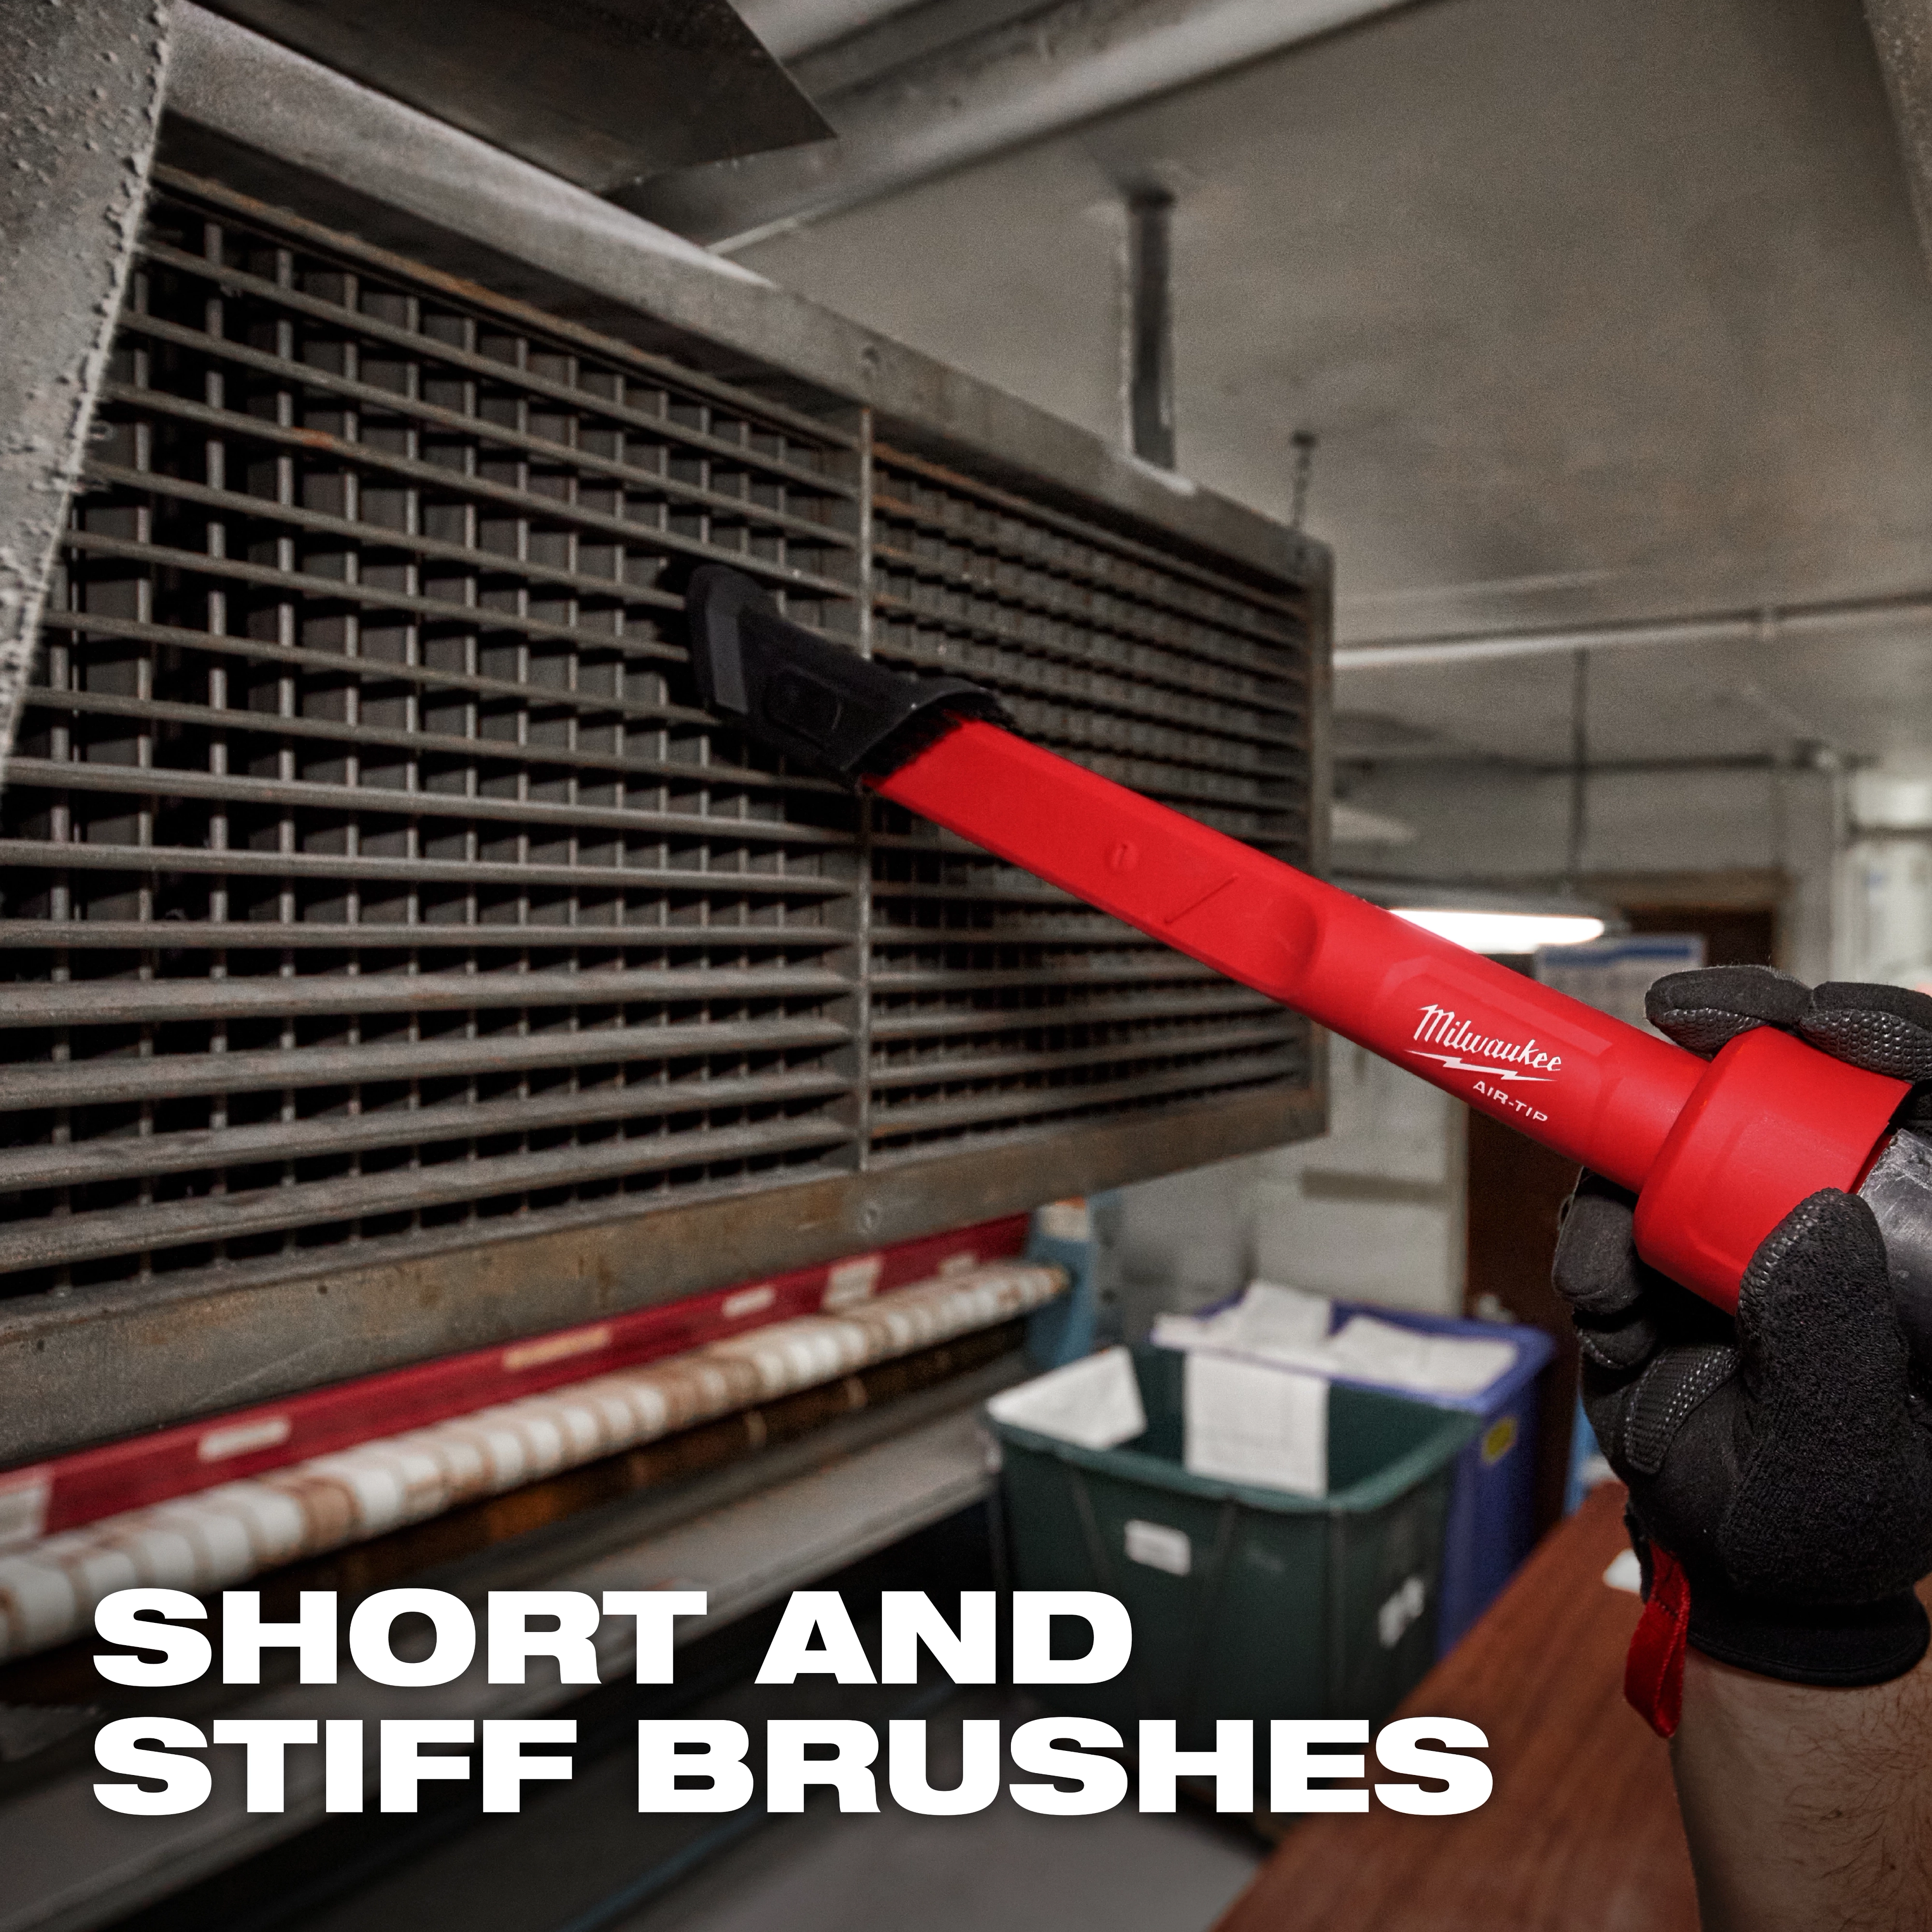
(1764, 626)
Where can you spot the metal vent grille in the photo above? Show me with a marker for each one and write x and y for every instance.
(995, 998)
(372, 888)
(366, 875)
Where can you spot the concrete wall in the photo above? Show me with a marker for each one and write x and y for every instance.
(79, 108)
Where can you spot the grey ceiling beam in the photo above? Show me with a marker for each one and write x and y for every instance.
(78, 121)
(1049, 70)
(1902, 31)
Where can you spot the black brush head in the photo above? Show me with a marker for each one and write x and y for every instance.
(817, 703)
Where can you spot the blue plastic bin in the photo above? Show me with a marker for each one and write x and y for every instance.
(1492, 1520)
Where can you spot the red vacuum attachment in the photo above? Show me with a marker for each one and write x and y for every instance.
(1718, 1152)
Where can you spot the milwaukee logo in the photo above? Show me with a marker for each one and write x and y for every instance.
(1500, 1059)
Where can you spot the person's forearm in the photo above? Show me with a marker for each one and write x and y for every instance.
(1807, 1810)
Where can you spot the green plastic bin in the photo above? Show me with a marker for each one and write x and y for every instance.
(1246, 1602)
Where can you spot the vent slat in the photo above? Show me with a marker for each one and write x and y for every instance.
(95, 1163)
(363, 1197)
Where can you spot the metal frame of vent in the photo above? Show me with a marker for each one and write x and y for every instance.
(400, 962)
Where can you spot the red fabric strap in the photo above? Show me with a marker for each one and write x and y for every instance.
(1653, 1671)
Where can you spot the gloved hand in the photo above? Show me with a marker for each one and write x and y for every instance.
(1780, 1466)
(1884, 1029)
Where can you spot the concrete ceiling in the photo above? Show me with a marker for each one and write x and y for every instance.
(1600, 312)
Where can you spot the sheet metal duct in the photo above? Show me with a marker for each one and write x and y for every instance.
(830, 68)
(603, 92)
(791, 27)
(1020, 81)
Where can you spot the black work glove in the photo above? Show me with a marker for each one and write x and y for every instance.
(1885, 1029)
(1783, 1460)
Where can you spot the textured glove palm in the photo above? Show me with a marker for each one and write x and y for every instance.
(1783, 1460)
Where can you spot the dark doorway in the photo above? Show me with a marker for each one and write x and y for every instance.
(1733, 935)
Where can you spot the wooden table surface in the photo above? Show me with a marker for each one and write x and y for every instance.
(1581, 1833)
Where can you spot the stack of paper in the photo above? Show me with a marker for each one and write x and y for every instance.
(1286, 1327)
(1250, 1422)
(1269, 1322)
(1391, 1356)
(1094, 1403)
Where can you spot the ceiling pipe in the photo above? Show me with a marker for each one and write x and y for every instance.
(1034, 77)
(1148, 347)
(1766, 626)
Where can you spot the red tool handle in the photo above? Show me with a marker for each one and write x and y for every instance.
(1719, 1152)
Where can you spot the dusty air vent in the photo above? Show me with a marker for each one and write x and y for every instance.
(996, 999)
(374, 894)
(376, 883)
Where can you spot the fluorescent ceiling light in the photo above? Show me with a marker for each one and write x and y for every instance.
(1503, 931)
